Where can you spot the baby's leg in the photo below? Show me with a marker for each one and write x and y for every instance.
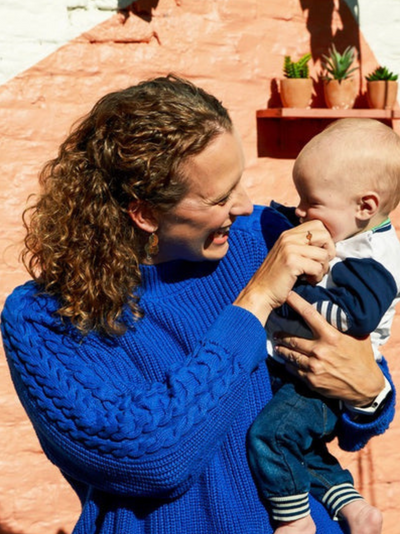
(361, 517)
(344, 502)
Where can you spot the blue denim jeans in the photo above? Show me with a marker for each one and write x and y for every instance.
(287, 442)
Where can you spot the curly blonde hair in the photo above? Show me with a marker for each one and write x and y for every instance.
(81, 244)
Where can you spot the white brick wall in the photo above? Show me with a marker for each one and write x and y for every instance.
(380, 24)
(30, 31)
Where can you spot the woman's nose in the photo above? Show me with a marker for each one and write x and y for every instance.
(242, 205)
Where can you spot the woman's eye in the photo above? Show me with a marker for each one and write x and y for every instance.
(224, 200)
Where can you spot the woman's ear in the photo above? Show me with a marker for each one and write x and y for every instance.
(143, 216)
(368, 206)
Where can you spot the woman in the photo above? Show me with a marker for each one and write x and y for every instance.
(138, 350)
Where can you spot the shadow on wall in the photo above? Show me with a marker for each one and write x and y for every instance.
(332, 22)
(5, 530)
(123, 4)
(141, 8)
(323, 33)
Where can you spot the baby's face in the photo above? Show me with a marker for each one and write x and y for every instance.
(325, 199)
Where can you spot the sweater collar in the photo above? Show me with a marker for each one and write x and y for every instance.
(172, 276)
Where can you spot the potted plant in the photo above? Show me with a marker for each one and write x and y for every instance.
(381, 88)
(296, 86)
(339, 88)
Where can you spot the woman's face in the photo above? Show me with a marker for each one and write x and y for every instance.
(197, 228)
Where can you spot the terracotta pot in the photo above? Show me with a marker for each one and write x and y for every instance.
(340, 95)
(296, 92)
(382, 94)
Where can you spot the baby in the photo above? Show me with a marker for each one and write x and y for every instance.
(348, 177)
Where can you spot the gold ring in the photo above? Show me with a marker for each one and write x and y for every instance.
(309, 237)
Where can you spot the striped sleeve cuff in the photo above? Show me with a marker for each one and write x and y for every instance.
(290, 508)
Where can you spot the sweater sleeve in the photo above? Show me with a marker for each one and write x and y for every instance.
(150, 439)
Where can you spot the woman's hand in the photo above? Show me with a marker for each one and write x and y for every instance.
(333, 364)
(301, 251)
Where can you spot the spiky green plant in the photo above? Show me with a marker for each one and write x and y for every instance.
(337, 66)
(296, 69)
(381, 73)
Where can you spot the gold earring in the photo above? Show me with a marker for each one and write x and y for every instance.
(151, 247)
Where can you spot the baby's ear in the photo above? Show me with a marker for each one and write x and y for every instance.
(368, 205)
(143, 216)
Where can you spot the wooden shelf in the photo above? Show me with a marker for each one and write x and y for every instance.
(282, 132)
(325, 113)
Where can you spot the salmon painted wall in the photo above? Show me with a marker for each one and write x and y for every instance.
(230, 47)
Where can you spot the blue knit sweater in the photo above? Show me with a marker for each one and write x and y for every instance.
(149, 428)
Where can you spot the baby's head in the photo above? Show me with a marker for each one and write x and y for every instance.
(348, 176)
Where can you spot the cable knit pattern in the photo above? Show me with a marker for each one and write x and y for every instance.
(150, 427)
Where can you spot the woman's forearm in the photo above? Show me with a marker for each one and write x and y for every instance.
(148, 438)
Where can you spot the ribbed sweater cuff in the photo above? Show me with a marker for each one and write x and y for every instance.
(353, 435)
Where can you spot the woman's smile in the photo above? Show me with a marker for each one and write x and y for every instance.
(220, 236)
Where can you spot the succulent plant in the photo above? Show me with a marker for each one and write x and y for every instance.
(337, 66)
(381, 73)
(296, 69)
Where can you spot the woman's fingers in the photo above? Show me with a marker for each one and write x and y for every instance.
(298, 252)
(319, 326)
(319, 248)
(332, 363)
(315, 234)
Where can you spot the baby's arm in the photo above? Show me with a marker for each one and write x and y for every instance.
(362, 293)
